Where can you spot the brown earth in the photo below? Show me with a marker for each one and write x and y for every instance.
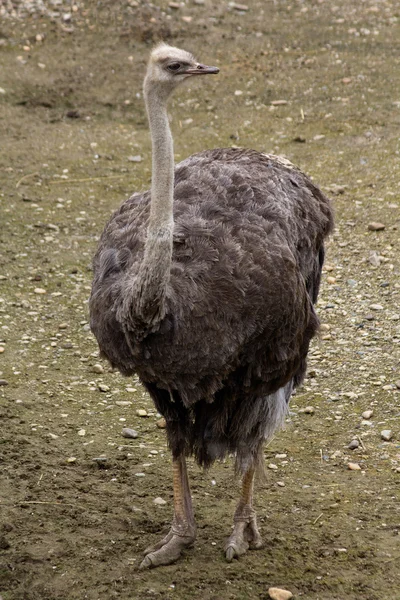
(71, 115)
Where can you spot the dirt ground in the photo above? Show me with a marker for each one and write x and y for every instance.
(315, 80)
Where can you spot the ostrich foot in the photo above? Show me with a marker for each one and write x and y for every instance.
(245, 534)
(169, 549)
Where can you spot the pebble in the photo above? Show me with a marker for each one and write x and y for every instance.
(136, 158)
(52, 436)
(71, 459)
(140, 474)
(272, 467)
(279, 594)
(82, 432)
(331, 279)
(374, 259)
(397, 384)
(103, 388)
(242, 7)
(279, 102)
(100, 460)
(161, 423)
(309, 410)
(386, 435)
(97, 368)
(63, 326)
(367, 414)
(129, 433)
(141, 412)
(376, 306)
(280, 483)
(39, 291)
(374, 226)
(354, 466)
(353, 444)
(3, 382)
(159, 501)
(1, 349)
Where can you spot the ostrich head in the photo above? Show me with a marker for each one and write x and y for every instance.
(169, 66)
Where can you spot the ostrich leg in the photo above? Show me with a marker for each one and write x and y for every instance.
(245, 533)
(183, 530)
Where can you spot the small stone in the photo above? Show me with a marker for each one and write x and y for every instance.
(309, 410)
(39, 37)
(103, 388)
(174, 5)
(129, 433)
(159, 501)
(2, 349)
(397, 384)
(354, 466)
(136, 158)
(331, 279)
(346, 80)
(353, 445)
(367, 414)
(97, 368)
(241, 7)
(280, 483)
(40, 291)
(3, 382)
(386, 435)
(140, 474)
(71, 459)
(272, 467)
(279, 102)
(52, 436)
(82, 432)
(100, 460)
(63, 326)
(376, 306)
(187, 19)
(141, 412)
(161, 423)
(279, 594)
(374, 226)
(374, 259)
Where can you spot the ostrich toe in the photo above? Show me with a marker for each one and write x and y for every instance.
(168, 550)
(245, 535)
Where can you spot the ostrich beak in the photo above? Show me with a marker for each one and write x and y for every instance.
(200, 69)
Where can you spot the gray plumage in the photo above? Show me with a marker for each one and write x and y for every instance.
(221, 345)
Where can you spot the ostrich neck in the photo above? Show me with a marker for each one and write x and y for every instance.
(162, 182)
(155, 269)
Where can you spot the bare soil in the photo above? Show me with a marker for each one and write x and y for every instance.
(71, 121)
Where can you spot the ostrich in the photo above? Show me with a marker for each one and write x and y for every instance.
(205, 287)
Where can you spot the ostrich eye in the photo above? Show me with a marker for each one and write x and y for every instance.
(174, 66)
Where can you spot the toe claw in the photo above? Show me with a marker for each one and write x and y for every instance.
(146, 562)
(230, 553)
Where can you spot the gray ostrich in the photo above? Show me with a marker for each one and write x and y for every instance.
(205, 287)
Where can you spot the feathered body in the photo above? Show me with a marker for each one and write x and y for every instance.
(238, 316)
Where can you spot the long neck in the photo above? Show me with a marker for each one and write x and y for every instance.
(155, 269)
